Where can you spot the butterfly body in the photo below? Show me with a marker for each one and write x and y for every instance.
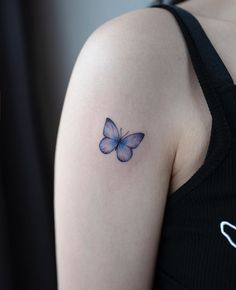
(113, 140)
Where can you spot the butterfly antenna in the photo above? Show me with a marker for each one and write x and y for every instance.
(125, 134)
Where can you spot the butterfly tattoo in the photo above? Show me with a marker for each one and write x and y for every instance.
(123, 145)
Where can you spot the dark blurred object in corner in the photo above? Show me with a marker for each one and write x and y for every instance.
(172, 2)
(26, 202)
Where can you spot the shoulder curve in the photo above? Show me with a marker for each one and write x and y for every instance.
(144, 39)
(150, 26)
(125, 68)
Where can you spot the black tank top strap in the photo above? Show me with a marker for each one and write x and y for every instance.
(214, 65)
(215, 80)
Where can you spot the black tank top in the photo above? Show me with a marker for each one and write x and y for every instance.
(198, 241)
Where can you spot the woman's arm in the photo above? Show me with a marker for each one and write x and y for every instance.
(109, 213)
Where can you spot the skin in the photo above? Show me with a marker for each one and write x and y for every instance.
(108, 214)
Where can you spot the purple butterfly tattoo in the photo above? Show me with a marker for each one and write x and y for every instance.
(113, 140)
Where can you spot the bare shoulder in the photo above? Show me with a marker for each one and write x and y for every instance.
(135, 67)
(111, 190)
(149, 33)
(137, 63)
(127, 71)
(123, 73)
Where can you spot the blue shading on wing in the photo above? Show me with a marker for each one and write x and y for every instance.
(124, 153)
(110, 130)
(133, 140)
(107, 145)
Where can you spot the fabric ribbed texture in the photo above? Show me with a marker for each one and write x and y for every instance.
(195, 253)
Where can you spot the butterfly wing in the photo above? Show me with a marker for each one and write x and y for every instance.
(111, 139)
(107, 145)
(124, 153)
(126, 145)
(133, 140)
(110, 130)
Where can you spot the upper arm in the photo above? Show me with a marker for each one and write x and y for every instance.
(109, 213)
